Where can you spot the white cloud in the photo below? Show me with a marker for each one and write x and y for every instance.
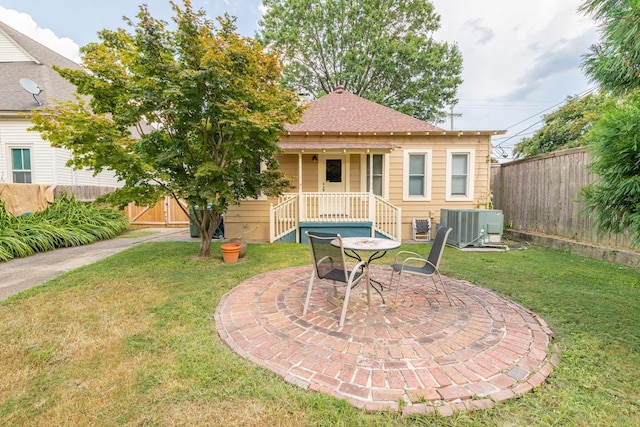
(27, 26)
(513, 43)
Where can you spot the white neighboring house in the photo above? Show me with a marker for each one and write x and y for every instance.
(24, 156)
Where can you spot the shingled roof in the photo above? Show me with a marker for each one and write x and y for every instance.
(23, 57)
(343, 112)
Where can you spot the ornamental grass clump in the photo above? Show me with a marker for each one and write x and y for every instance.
(67, 222)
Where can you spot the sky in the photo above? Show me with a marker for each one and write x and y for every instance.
(521, 58)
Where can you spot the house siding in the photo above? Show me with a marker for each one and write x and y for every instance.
(355, 163)
(248, 220)
(48, 164)
(10, 51)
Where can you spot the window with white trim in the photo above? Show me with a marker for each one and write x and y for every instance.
(21, 165)
(417, 174)
(460, 167)
(375, 173)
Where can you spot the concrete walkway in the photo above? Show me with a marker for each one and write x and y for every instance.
(19, 274)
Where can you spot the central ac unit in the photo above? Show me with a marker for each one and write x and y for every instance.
(473, 227)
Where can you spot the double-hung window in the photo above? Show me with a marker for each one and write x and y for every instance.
(375, 173)
(21, 165)
(417, 174)
(460, 166)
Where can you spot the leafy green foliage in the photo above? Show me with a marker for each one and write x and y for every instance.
(615, 60)
(615, 146)
(614, 64)
(67, 222)
(564, 128)
(382, 50)
(191, 110)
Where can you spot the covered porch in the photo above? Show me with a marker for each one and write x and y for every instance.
(347, 213)
(339, 186)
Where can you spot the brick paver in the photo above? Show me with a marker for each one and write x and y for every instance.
(418, 348)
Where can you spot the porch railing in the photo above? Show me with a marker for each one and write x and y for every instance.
(336, 207)
(387, 219)
(283, 217)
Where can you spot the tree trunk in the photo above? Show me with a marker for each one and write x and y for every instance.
(205, 246)
(207, 222)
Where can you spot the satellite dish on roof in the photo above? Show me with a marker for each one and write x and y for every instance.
(31, 87)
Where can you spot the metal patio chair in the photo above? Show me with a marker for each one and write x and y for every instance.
(417, 265)
(421, 229)
(329, 263)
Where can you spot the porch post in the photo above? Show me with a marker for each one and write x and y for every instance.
(370, 170)
(372, 213)
(399, 226)
(298, 239)
(272, 224)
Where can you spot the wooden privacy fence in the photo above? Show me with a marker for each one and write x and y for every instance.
(165, 213)
(542, 195)
(20, 198)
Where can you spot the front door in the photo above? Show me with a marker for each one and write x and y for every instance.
(333, 180)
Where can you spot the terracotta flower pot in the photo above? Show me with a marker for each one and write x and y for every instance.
(230, 252)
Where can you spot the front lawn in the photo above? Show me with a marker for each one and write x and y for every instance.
(131, 341)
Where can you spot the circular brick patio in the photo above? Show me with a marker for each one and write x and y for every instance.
(419, 349)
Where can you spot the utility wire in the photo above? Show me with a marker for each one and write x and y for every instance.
(580, 95)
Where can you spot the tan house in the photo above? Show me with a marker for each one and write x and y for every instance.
(363, 169)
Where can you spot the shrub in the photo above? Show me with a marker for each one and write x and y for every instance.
(67, 222)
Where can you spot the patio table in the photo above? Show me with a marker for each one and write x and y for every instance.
(378, 248)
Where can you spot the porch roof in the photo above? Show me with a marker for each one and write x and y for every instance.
(317, 146)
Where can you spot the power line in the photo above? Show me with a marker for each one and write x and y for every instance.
(500, 138)
(580, 95)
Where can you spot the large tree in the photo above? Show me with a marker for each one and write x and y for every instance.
(192, 110)
(564, 128)
(614, 63)
(614, 199)
(382, 50)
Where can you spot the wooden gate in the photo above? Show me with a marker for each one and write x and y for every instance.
(165, 213)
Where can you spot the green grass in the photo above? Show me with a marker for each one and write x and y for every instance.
(131, 340)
